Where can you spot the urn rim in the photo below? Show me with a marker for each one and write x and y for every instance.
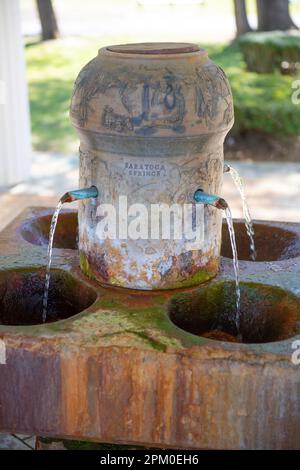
(153, 49)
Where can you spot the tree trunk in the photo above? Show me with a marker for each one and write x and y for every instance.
(48, 20)
(241, 20)
(274, 14)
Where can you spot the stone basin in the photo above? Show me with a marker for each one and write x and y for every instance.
(124, 356)
(36, 230)
(273, 241)
(268, 313)
(21, 296)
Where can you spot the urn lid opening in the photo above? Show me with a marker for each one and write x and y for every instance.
(155, 48)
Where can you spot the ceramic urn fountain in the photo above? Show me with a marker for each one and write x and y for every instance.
(152, 119)
(161, 369)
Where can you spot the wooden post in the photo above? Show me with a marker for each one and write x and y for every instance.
(15, 147)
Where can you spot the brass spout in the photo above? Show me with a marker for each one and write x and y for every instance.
(84, 193)
(205, 198)
(226, 168)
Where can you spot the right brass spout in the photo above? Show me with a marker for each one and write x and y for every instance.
(205, 198)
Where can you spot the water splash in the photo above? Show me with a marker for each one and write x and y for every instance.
(246, 212)
(49, 257)
(235, 266)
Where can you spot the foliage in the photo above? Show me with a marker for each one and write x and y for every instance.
(264, 52)
(262, 101)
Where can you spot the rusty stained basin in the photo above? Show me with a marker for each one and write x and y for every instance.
(268, 313)
(273, 241)
(100, 375)
(36, 230)
(21, 296)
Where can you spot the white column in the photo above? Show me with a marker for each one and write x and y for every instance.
(15, 146)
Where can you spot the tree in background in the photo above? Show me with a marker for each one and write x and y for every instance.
(273, 15)
(241, 19)
(48, 19)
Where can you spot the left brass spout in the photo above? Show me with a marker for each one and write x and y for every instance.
(205, 198)
(77, 194)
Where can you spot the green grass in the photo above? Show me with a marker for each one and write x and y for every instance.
(261, 101)
(51, 70)
(265, 51)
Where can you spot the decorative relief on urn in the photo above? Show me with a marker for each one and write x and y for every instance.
(151, 123)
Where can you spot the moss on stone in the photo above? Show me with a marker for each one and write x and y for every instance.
(108, 303)
(194, 280)
(85, 266)
(153, 343)
(85, 445)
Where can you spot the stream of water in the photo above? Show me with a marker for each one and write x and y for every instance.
(246, 212)
(235, 267)
(50, 249)
(49, 257)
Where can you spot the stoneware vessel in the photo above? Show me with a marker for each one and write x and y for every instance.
(152, 119)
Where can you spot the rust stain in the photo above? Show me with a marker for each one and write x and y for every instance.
(192, 394)
(74, 392)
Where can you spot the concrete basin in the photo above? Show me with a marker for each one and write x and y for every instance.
(36, 230)
(21, 296)
(274, 241)
(268, 313)
(144, 368)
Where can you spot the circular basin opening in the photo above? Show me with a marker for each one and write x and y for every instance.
(36, 231)
(268, 313)
(272, 243)
(21, 297)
